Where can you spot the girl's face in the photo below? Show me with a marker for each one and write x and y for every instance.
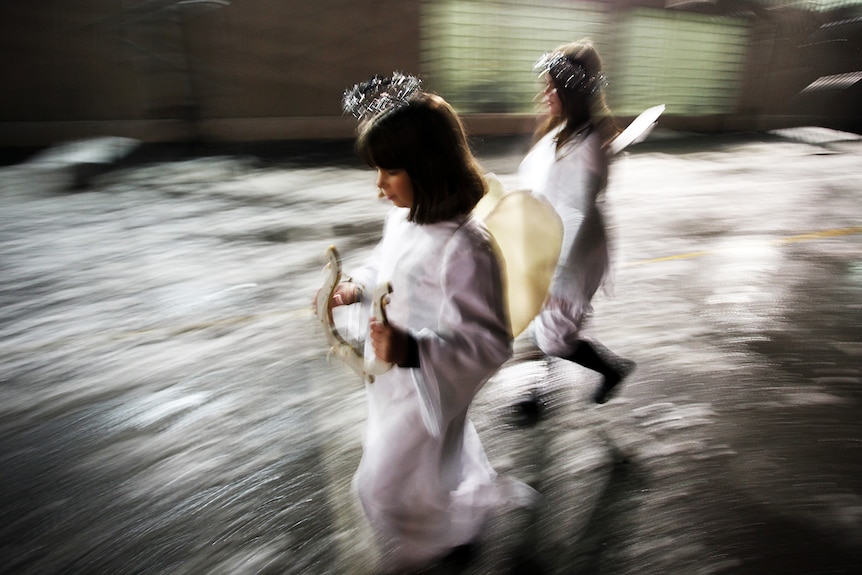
(395, 186)
(551, 99)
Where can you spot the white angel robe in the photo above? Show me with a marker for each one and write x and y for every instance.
(424, 481)
(572, 180)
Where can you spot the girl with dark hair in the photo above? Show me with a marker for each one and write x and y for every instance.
(568, 165)
(424, 481)
(426, 141)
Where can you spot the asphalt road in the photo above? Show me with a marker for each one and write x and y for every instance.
(166, 405)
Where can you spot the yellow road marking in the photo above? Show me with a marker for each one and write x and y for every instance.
(820, 235)
(788, 240)
(669, 258)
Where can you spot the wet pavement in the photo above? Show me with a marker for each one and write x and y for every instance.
(166, 404)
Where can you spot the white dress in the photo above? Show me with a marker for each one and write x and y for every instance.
(424, 480)
(572, 179)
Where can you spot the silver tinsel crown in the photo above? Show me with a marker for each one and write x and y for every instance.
(380, 95)
(572, 74)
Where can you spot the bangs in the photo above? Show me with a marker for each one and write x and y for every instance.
(378, 147)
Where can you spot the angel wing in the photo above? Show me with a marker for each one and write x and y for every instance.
(638, 130)
(529, 234)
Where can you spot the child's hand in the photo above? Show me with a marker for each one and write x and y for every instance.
(389, 342)
(345, 293)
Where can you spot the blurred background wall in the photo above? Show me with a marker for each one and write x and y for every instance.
(257, 70)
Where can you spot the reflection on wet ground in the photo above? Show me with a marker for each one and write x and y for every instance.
(166, 405)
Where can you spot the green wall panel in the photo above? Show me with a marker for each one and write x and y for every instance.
(479, 54)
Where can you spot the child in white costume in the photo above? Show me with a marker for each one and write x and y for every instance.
(424, 480)
(568, 165)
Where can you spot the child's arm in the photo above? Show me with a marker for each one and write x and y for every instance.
(473, 337)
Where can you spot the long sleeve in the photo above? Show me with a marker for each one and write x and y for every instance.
(472, 339)
(368, 275)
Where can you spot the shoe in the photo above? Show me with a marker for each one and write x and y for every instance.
(528, 411)
(456, 561)
(611, 382)
(461, 556)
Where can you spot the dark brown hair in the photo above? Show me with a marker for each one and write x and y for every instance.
(579, 107)
(427, 140)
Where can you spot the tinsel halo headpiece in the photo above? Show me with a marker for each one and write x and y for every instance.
(380, 95)
(570, 73)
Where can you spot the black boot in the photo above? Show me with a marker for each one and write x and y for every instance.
(528, 411)
(598, 358)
